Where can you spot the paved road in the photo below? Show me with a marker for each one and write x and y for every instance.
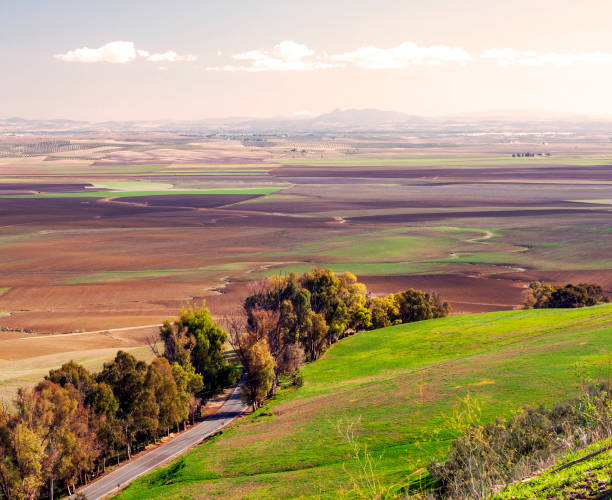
(232, 408)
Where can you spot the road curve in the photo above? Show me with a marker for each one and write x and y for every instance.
(111, 483)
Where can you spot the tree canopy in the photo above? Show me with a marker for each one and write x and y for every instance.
(196, 342)
(299, 317)
(542, 295)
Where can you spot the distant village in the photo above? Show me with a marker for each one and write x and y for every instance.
(520, 155)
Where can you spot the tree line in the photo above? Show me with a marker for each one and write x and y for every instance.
(290, 319)
(544, 295)
(68, 428)
(71, 425)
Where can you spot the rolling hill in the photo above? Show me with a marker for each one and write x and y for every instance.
(390, 398)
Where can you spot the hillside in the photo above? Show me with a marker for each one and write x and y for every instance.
(576, 475)
(400, 388)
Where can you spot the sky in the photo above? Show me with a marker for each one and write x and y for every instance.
(101, 60)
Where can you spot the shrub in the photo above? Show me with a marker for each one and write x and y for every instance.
(297, 379)
(540, 295)
(488, 456)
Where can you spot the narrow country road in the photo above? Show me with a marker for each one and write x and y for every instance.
(111, 483)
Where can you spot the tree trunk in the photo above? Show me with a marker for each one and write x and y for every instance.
(51, 488)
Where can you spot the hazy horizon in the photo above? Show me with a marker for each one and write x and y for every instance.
(192, 60)
(502, 114)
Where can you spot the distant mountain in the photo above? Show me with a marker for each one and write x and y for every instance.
(336, 121)
(365, 117)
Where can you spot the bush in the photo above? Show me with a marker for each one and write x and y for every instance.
(541, 295)
(491, 455)
(297, 379)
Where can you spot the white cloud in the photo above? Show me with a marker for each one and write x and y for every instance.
(113, 52)
(171, 56)
(506, 57)
(285, 56)
(402, 56)
(292, 56)
(121, 52)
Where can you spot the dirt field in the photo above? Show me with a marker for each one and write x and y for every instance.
(114, 245)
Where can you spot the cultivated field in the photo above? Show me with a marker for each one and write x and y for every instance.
(113, 237)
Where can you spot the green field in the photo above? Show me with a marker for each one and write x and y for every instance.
(438, 249)
(406, 250)
(400, 388)
(106, 276)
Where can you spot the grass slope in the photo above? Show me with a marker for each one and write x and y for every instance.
(585, 479)
(399, 386)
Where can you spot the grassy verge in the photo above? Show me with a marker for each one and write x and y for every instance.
(587, 478)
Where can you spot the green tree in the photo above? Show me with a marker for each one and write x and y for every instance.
(538, 295)
(416, 305)
(315, 336)
(10, 474)
(194, 334)
(384, 311)
(298, 303)
(260, 373)
(29, 457)
(74, 374)
(188, 384)
(162, 382)
(541, 295)
(59, 416)
(571, 296)
(109, 430)
(138, 409)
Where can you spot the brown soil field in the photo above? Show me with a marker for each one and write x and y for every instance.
(540, 172)
(403, 218)
(140, 212)
(31, 187)
(465, 294)
(191, 201)
(118, 266)
(603, 277)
